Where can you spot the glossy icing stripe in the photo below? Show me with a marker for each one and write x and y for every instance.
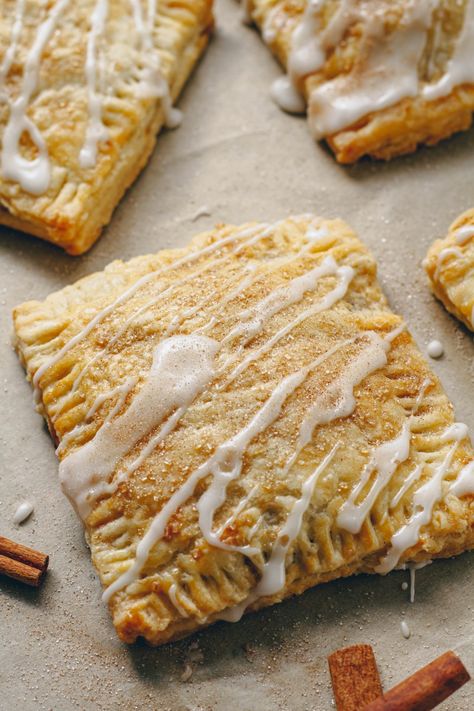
(385, 460)
(101, 484)
(122, 391)
(463, 485)
(412, 477)
(372, 357)
(345, 274)
(152, 81)
(95, 131)
(390, 73)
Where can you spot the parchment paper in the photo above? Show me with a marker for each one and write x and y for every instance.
(237, 154)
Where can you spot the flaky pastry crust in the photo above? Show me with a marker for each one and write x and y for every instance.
(450, 268)
(339, 323)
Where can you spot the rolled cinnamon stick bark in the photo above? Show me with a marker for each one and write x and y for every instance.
(355, 677)
(425, 689)
(20, 571)
(26, 555)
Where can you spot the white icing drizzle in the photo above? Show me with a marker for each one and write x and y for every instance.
(23, 511)
(345, 275)
(390, 72)
(225, 465)
(384, 460)
(412, 477)
(172, 593)
(386, 73)
(16, 30)
(442, 257)
(152, 81)
(238, 510)
(464, 234)
(163, 292)
(287, 96)
(182, 367)
(95, 131)
(253, 319)
(372, 356)
(121, 390)
(460, 68)
(33, 175)
(274, 570)
(424, 501)
(463, 485)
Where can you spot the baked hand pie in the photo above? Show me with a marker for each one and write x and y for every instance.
(379, 77)
(242, 419)
(84, 89)
(450, 268)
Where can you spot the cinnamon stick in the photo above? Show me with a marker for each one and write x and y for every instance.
(425, 689)
(22, 563)
(355, 677)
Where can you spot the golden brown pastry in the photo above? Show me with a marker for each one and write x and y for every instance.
(450, 268)
(379, 76)
(84, 89)
(242, 419)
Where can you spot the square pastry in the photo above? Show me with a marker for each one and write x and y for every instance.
(450, 268)
(242, 419)
(84, 89)
(379, 77)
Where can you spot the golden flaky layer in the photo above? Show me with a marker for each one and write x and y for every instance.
(337, 323)
(405, 122)
(79, 201)
(450, 268)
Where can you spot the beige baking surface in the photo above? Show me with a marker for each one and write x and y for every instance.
(239, 156)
